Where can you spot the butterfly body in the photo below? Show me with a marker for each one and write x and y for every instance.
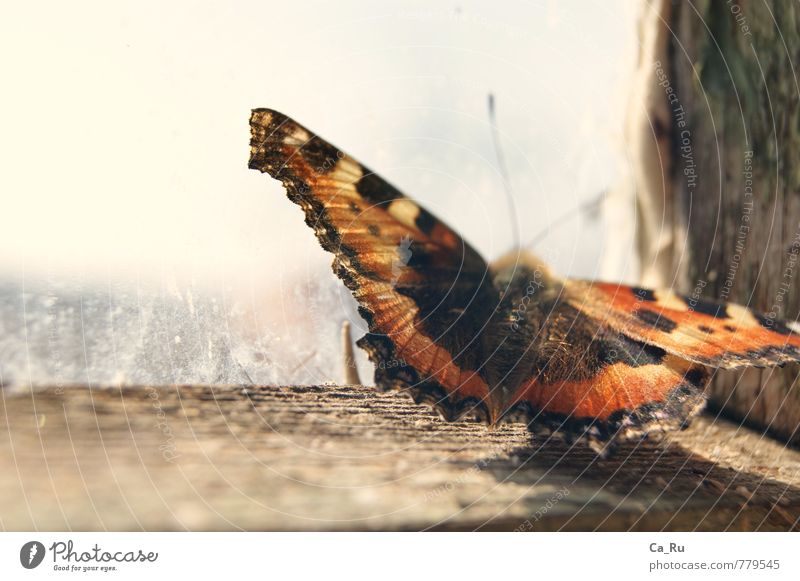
(510, 340)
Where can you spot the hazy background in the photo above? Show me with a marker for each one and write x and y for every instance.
(135, 245)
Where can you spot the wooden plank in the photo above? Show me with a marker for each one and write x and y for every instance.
(349, 458)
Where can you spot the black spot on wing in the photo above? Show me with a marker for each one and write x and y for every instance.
(655, 320)
(320, 155)
(425, 221)
(712, 309)
(622, 349)
(374, 230)
(774, 325)
(730, 328)
(374, 190)
(697, 376)
(705, 329)
(644, 294)
(418, 257)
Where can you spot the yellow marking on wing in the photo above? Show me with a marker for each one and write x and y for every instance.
(405, 211)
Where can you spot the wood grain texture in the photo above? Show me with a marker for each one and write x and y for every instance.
(349, 458)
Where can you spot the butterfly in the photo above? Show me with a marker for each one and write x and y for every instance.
(511, 340)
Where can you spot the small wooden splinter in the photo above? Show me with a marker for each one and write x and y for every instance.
(350, 369)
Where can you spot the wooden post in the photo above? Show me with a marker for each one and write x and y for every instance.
(718, 136)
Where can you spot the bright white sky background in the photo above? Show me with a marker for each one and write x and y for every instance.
(124, 137)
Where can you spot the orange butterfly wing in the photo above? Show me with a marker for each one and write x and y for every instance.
(716, 334)
(634, 358)
(412, 276)
(590, 379)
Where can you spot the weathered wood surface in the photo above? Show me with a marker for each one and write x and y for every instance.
(349, 458)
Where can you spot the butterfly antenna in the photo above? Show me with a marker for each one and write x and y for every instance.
(501, 164)
(589, 208)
